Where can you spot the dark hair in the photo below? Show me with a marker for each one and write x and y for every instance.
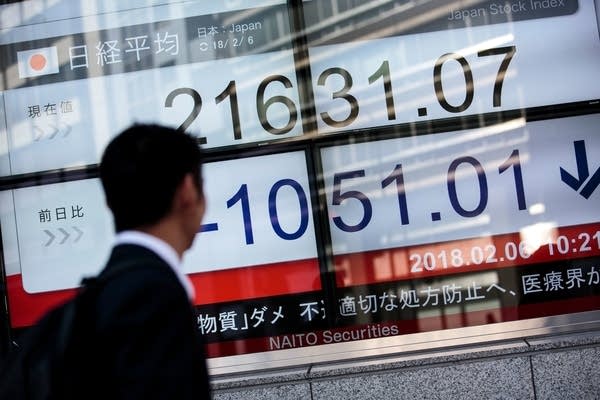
(140, 170)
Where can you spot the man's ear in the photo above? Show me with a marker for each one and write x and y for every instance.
(186, 194)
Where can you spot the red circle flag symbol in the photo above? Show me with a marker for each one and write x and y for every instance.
(37, 62)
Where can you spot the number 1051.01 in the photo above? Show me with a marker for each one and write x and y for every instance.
(397, 177)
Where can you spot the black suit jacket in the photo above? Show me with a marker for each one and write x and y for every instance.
(147, 342)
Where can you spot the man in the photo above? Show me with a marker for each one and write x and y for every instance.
(148, 345)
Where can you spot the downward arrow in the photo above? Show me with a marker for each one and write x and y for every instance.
(582, 167)
(583, 172)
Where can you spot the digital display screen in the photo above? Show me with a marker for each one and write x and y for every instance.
(374, 169)
(507, 179)
(371, 75)
(64, 232)
(227, 77)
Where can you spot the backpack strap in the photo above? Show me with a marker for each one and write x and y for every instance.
(75, 312)
(105, 276)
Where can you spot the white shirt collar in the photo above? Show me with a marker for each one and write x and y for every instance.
(163, 250)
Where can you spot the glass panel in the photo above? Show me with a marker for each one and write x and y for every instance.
(60, 233)
(389, 62)
(472, 226)
(227, 76)
(375, 169)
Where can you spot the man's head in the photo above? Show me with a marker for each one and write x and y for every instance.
(150, 174)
